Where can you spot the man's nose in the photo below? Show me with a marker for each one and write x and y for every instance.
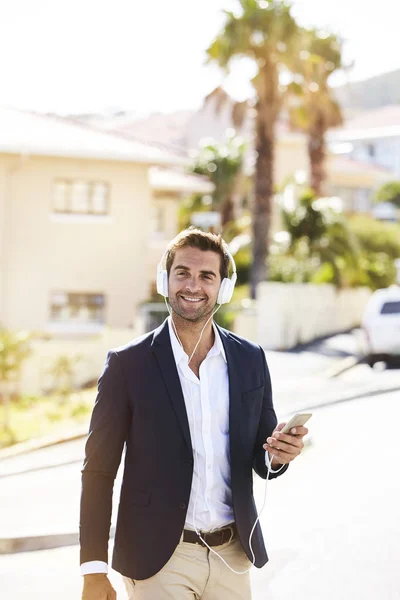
(193, 284)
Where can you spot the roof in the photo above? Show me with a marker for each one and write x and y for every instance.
(342, 164)
(175, 181)
(43, 135)
(165, 129)
(371, 124)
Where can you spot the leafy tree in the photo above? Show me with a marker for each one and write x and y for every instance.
(222, 163)
(266, 33)
(312, 105)
(389, 192)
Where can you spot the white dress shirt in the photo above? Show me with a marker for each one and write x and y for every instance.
(207, 406)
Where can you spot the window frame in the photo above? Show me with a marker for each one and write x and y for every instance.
(69, 195)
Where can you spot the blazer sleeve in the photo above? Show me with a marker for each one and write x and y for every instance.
(267, 424)
(109, 427)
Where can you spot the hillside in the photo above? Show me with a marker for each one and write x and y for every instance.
(370, 93)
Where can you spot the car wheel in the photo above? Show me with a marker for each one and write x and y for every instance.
(370, 361)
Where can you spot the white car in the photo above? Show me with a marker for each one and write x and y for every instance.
(381, 325)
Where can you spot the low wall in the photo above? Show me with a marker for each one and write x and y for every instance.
(287, 314)
(93, 350)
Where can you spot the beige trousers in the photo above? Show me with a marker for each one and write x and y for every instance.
(194, 572)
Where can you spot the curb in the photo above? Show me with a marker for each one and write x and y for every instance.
(40, 542)
(45, 442)
(343, 365)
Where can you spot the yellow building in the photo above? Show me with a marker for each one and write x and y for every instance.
(84, 217)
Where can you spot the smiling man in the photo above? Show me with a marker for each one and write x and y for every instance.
(192, 404)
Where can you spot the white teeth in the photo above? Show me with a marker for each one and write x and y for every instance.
(192, 299)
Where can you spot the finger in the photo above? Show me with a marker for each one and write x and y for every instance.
(279, 427)
(293, 440)
(299, 431)
(284, 442)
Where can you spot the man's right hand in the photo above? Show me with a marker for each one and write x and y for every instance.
(97, 586)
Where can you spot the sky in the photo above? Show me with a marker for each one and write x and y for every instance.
(149, 55)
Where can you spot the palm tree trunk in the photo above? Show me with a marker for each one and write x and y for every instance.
(227, 211)
(316, 154)
(267, 113)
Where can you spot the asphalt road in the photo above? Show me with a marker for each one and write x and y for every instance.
(332, 523)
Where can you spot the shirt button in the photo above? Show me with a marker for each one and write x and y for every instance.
(182, 505)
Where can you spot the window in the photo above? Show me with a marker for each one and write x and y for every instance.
(157, 219)
(81, 197)
(371, 150)
(391, 308)
(72, 307)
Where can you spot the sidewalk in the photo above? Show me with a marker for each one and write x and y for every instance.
(331, 531)
(53, 516)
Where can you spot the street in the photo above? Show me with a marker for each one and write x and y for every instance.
(331, 524)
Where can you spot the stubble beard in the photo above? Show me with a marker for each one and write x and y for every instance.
(200, 317)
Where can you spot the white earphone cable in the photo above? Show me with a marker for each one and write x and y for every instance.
(268, 460)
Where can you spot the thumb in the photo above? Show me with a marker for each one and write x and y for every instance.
(280, 427)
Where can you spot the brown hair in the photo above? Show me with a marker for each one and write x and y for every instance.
(203, 240)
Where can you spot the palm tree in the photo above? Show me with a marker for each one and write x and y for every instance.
(265, 32)
(313, 107)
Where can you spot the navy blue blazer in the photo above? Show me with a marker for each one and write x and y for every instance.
(140, 404)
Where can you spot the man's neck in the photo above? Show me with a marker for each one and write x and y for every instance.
(189, 334)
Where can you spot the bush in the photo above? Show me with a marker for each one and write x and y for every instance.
(389, 192)
(376, 236)
(380, 246)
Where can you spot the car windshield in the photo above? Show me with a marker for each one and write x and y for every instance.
(391, 308)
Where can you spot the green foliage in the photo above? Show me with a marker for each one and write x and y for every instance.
(14, 350)
(380, 246)
(321, 248)
(194, 203)
(63, 371)
(376, 236)
(35, 416)
(389, 192)
(259, 31)
(222, 164)
(243, 260)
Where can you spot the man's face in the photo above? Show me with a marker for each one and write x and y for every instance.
(194, 282)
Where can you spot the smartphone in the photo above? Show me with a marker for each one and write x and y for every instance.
(298, 420)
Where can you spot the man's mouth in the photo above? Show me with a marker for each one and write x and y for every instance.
(193, 300)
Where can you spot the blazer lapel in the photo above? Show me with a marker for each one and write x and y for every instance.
(162, 349)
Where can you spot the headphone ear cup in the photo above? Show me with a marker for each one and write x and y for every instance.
(225, 291)
(162, 283)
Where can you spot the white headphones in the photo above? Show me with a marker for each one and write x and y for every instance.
(225, 291)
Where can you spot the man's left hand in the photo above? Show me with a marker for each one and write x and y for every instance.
(284, 447)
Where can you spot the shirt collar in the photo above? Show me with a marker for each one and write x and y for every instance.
(179, 352)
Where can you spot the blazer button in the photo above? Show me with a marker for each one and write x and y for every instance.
(182, 505)
(189, 462)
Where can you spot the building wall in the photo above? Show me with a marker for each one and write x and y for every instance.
(384, 152)
(286, 314)
(164, 227)
(42, 252)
